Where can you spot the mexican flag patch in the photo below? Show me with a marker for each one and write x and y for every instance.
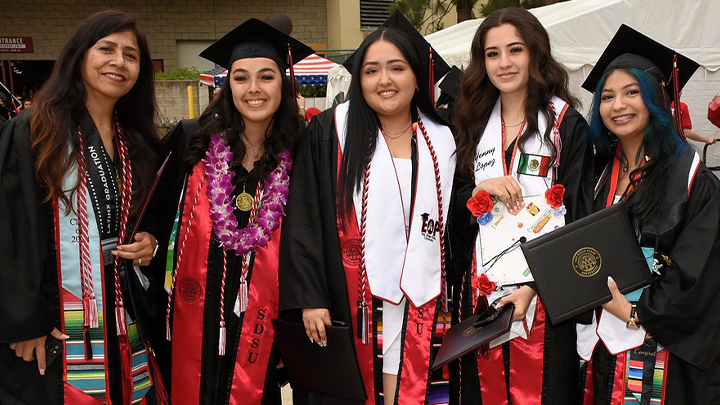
(533, 165)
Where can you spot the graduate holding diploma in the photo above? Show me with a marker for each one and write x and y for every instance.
(364, 235)
(660, 344)
(519, 135)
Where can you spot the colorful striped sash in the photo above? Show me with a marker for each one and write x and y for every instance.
(645, 377)
(85, 367)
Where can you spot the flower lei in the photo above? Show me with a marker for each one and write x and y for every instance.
(275, 195)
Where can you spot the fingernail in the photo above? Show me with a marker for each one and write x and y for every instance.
(119, 247)
(64, 336)
(324, 343)
(312, 340)
(610, 279)
(114, 253)
(42, 371)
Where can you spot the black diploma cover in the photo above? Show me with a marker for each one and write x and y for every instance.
(332, 370)
(571, 264)
(471, 333)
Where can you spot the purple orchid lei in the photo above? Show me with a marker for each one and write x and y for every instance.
(272, 208)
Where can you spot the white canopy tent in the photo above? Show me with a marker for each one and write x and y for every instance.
(580, 29)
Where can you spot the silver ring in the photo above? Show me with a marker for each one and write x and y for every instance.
(140, 261)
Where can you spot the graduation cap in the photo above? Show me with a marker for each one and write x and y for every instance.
(256, 39)
(427, 54)
(631, 49)
(451, 83)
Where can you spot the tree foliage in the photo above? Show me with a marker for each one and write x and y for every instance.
(431, 12)
(424, 15)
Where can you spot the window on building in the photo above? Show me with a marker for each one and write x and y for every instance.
(373, 13)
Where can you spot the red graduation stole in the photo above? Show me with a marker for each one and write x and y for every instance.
(257, 333)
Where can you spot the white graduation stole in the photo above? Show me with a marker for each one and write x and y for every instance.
(488, 161)
(397, 266)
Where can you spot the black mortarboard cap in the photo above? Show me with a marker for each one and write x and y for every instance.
(397, 20)
(451, 83)
(632, 49)
(255, 39)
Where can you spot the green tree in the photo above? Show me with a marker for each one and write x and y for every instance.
(464, 9)
(492, 5)
(428, 13)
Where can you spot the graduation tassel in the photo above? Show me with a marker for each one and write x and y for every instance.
(168, 335)
(161, 394)
(364, 326)
(222, 340)
(243, 295)
(125, 357)
(675, 78)
(292, 75)
(90, 312)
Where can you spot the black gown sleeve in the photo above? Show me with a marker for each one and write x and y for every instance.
(576, 168)
(26, 287)
(681, 309)
(303, 279)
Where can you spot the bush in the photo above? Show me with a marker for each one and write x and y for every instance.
(311, 91)
(179, 74)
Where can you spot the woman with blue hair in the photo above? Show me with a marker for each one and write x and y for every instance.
(659, 344)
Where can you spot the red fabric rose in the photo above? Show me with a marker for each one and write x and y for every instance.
(480, 203)
(554, 195)
(484, 285)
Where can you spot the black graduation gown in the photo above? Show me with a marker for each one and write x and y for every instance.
(29, 292)
(312, 274)
(560, 376)
(681, 308)
(217, 371)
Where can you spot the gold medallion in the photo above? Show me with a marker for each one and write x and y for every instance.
(244, 201)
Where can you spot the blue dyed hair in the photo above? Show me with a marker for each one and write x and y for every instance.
(661, 143)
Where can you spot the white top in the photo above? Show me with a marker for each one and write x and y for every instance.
(403, 170)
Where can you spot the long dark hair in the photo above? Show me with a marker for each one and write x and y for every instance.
(365, 122)
(547, 78)
(59, 106)
(221, 115)
(661, 142)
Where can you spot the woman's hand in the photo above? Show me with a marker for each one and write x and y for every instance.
(710, 140)
(521, 298)
(315, 320)
(29, 349)
(141, 252)
(618, 305)
(506, 189)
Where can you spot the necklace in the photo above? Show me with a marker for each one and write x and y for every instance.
(514, 125)
(275, 193)
(396, 134)
(244, 200)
